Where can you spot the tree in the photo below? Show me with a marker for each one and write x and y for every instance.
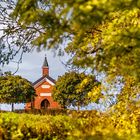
(104, 34)
(15, 38)
(129, 98)
(15, 89)
(72, 89)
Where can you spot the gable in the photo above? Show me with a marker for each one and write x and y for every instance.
(50, 82)
(43, 88)
(44, 79)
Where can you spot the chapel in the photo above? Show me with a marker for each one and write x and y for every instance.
(43, 87)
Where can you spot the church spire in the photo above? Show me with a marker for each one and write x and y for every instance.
(45, 67)
(45, 64)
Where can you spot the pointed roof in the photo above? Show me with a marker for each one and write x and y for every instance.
(44, 78)
(45, 64)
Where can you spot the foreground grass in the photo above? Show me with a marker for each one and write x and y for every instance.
(83, 126)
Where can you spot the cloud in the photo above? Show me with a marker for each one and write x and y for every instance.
(31, 66)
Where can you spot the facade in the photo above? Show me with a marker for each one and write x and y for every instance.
(43, 87)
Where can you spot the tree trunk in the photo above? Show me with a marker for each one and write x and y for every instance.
(32, 104)
(78, 107)
(12, 107)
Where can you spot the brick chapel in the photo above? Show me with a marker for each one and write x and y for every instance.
(43, 87)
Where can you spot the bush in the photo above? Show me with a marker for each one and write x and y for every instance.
(43, 111)
(84, 125)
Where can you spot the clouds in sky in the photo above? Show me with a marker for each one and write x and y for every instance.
(31, 66)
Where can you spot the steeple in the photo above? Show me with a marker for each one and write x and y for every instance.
(45, 64)
(45, 67)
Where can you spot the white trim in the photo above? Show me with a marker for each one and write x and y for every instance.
(45, 94)
(45, 86)
(43, 80)
(50, 82)
(46, 79)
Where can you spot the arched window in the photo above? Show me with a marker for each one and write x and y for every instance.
(45, 104)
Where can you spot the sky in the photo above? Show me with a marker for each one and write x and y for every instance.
(31, 69)
(31, 66)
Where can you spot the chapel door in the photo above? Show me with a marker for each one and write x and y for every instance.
(45, 104)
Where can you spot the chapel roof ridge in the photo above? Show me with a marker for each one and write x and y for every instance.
(40, 79)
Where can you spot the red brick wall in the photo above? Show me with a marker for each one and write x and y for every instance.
(39, 99)
(45, 71)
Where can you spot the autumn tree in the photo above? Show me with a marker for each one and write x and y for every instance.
(15, 89)
(72, 89)
(128, 99)
(100, 35)
(104, 34)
